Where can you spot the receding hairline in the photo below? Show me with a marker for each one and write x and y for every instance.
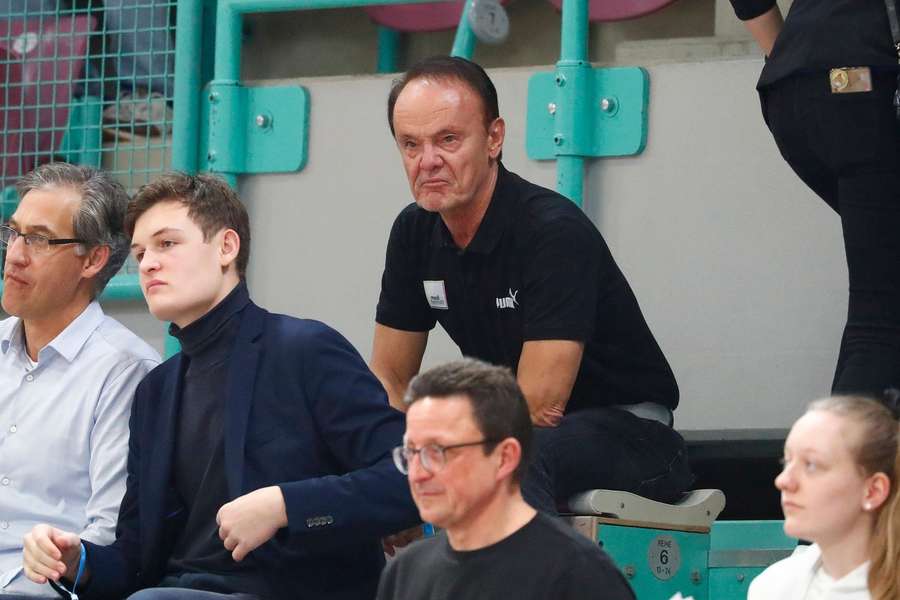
(446, 79)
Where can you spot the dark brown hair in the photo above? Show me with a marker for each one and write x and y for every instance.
(211, 204)
(498, 406)
(449, 68)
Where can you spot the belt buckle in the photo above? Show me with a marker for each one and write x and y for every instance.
(850, 80)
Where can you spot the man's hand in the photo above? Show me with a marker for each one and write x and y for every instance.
(547, 416)
(50, 553)
(400, 539)
(248, 522)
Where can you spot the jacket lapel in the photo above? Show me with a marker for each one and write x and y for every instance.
(242, 365)
(157, 449)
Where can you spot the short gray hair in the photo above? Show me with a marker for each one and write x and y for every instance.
(101, 215)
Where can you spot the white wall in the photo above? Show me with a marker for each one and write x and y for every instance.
(738, 268)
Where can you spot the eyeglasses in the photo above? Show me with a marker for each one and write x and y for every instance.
(431, 456)
(36, 242)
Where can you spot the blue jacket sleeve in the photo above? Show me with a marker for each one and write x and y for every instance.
(351, 412)
(750, 9)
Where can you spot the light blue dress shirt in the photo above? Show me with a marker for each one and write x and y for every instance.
(64, 433)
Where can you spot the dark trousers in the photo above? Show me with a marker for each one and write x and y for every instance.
(196, 586)
(605, 448)
(845, 148)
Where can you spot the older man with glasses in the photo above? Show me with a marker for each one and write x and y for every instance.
(68, 371)
(468, 434)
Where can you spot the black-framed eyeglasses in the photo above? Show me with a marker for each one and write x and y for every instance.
(36, 242)
(431, 456)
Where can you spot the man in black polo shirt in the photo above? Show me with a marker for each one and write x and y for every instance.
(519, 276)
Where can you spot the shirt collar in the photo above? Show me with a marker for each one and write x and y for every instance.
(492, 225)
(68, 342)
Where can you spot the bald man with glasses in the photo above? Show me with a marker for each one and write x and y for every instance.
(68, 371)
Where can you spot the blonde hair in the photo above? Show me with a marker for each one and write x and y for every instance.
(876, 450)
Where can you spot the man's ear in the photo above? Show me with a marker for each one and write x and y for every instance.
(509, 452)
(229, 247)
(496, 135)
(94, 261)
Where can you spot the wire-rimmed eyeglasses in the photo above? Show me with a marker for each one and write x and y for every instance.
(431, 456)
(36, 242)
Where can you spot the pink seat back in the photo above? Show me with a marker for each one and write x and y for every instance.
(412, 18)
(39, 59)
(619, 10)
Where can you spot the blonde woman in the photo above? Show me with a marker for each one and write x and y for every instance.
(838, 490)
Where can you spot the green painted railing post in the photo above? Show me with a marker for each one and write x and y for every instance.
(388, 49)
(573, 77)
(464, 42)
(186, 103)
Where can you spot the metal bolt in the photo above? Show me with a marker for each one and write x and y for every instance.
(214, 97)
(695, 576)
(740, 577)
(211, 156)
(558, 139)
(551, 108)
(608, 105)
(629, 571)
(560, 79)
(263, 121)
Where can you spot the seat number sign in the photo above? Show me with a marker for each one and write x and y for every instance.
(664, 557)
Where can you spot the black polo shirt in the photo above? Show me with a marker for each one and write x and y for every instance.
(537, 269)
(819, 35)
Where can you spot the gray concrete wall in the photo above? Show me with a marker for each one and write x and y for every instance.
(739, 269)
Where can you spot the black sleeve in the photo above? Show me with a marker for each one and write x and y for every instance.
(402, 303)
(386, 583)
(750, 9)
(590, 572)
(561, 279)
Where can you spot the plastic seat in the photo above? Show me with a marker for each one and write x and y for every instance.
(695, 511)
(39, 59)
(413, 18)
(619, 10)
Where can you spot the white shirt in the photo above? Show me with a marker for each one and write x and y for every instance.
(64, 433)
(801, 577)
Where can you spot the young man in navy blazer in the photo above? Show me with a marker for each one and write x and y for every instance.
(259, 464)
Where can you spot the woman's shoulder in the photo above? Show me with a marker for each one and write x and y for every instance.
(780, 579)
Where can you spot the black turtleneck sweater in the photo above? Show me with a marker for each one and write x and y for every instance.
(198, 469)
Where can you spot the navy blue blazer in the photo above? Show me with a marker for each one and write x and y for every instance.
(303, 412)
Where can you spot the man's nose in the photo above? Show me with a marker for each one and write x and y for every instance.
(415, 469)
(431, 159)
(16, 251)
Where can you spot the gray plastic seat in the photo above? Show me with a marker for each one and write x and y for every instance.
(695, 511)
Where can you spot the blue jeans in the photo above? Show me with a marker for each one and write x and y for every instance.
(138, 34)
(605, 448)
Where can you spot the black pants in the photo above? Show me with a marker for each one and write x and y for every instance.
(845, 148)
(605, 448)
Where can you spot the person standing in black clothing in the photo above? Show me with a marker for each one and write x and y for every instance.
(466, 446)
(827, 93)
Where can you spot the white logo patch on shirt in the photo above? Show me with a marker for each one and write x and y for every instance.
(436, 294)
(508, 301)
